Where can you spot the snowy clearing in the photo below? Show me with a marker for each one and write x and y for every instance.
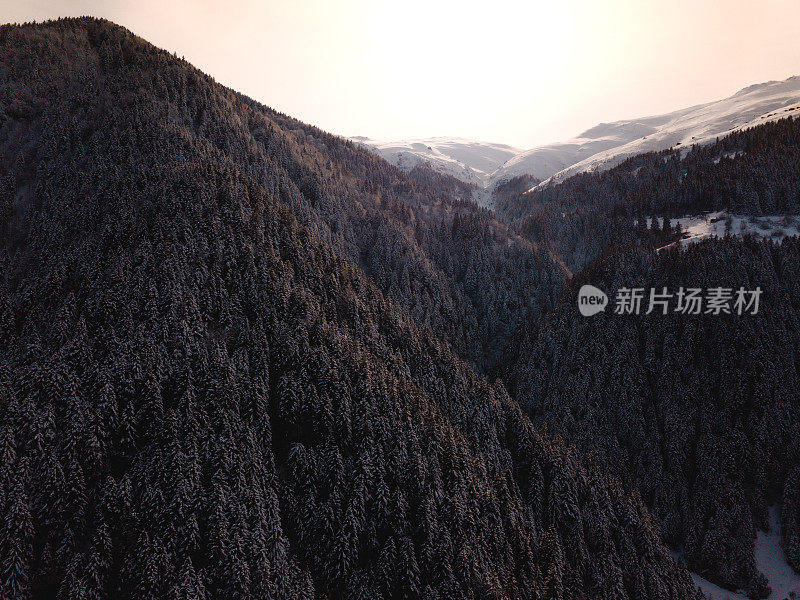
(722, 223)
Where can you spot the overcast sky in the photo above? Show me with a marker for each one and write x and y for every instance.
(497, 71)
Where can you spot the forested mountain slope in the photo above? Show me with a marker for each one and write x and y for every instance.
(697, 412)
(204, 392)
(451, 265)
(401, 230)
(750, 172)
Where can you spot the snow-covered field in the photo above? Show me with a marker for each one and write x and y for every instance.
(601, 147)
(770, 560)
(721, 223)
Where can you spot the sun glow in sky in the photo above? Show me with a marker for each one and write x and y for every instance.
(523, 73)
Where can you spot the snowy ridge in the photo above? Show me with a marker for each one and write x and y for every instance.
(545, 161)
(606, 145)
(468, 160)
(701, 124)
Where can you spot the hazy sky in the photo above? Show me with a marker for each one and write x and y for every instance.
(522, 73)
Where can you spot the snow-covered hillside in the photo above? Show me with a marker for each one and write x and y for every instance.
(468, 160)
(604, 146)
(751, 106)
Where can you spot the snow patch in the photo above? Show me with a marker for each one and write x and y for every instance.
(770, 560)
(728, 155)
(721, 223)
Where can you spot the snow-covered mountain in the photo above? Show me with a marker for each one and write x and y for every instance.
(601, 147)
(468, 160)
(701, 124)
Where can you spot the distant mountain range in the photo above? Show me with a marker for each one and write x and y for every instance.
(606, 145)
(470, 161)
